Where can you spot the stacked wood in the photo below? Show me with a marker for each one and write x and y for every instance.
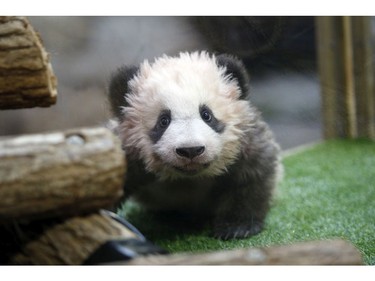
(47, 179)
(59, 174)
(26, 76)
(345, 57)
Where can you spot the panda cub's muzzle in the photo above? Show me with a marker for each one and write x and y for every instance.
(190, 157)
(187, 140)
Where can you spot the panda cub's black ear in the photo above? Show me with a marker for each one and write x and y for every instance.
(236, 70)
(118, 88)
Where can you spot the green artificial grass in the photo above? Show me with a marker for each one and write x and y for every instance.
(328, 191)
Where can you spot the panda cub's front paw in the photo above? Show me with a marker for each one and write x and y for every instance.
(226, 231)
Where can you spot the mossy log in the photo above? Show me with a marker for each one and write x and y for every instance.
(59, 174)
(26, 75)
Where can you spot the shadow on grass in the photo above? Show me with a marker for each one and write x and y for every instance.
(163, 225)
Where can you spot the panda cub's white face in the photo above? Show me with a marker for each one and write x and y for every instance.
(184, 117)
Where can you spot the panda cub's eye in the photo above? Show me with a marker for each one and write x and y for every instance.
(206, 114)
(164, 120)
(209, 117)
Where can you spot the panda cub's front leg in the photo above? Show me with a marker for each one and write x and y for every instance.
(241, 210)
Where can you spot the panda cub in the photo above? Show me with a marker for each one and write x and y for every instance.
(193, 141)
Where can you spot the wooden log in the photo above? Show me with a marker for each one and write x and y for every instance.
(331, 252)
(59, 174)
(72, 241)
(26, 75)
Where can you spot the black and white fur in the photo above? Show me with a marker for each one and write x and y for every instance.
(194, 142)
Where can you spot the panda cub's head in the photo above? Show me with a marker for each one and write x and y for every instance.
(183, 116)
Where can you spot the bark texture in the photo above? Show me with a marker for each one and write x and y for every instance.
(73, 241)
(26, 75)
(59, 174)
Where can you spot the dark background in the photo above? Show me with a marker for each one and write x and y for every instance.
(279, 53)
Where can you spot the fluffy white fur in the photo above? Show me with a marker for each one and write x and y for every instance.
(181, 84)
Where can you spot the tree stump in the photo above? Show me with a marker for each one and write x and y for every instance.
(59, 174)
(26, 76)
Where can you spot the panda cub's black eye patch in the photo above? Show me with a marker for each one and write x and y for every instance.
(210, 119)
(161, 125)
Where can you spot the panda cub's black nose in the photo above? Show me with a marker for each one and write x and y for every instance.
(190, 152)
